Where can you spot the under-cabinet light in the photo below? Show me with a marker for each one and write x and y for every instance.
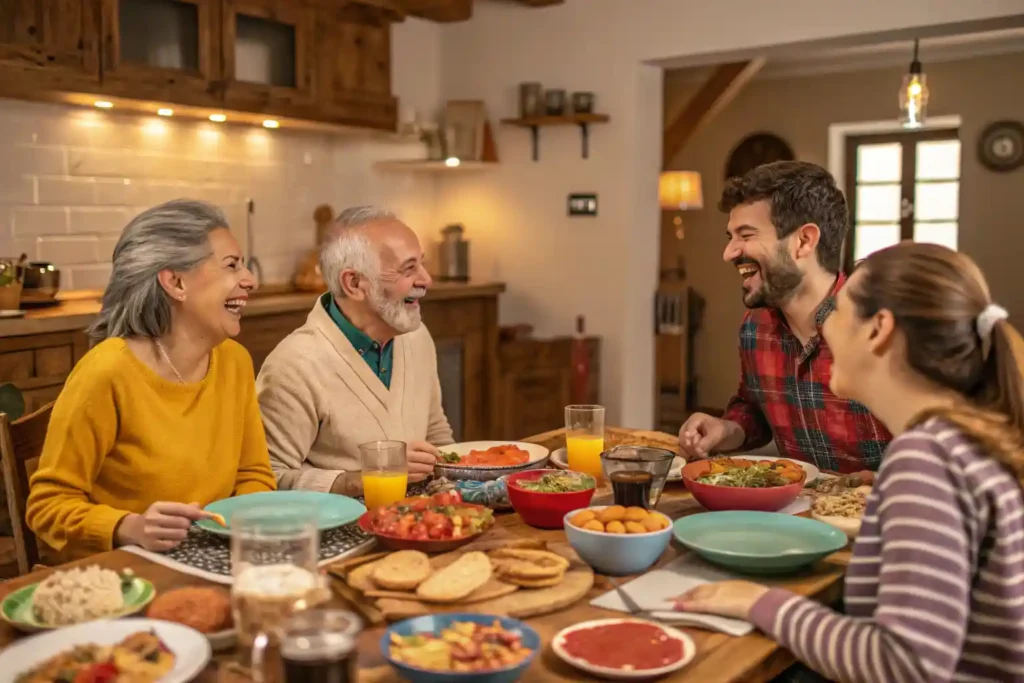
(165, 112)
(452, 162)
(218, 118)
(103, 104)
(271, 123)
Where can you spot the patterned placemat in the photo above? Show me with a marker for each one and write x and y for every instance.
(208, 555)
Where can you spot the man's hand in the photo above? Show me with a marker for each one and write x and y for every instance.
(702, 434)
(421, 457)
(348, 484)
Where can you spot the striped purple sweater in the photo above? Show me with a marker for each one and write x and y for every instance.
(935, 587)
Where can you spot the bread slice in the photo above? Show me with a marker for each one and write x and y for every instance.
(457, 580)
(402, 570)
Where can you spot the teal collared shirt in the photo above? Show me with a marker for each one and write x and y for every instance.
(377, 357)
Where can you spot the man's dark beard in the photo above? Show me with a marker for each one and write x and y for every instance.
(780, 277)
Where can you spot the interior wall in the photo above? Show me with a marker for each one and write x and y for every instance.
(800, 110)
(605, 268)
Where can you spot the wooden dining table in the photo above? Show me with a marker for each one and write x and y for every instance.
(720, 658)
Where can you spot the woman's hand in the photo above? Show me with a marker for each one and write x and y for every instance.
(725, 599)
(160, 528)
(421, 457)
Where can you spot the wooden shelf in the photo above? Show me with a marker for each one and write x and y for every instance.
(535, 123)
(432, 166)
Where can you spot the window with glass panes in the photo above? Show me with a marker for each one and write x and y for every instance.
(902, 186)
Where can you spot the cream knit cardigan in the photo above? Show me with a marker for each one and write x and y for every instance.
(320, 400)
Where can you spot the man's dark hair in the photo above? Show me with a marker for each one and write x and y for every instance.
(799, 193)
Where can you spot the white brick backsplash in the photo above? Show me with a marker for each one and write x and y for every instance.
(124, 192)
(65, 190)
(68, 250)
(17, 189)
(93, 277)
(85, 220)
(33, 221)
(71, 179)
(119, 163)
(34, 159)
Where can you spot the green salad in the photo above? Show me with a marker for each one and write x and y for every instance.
(566, 482)
(755, 477)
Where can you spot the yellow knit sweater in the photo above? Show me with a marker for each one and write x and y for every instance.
(121, 438)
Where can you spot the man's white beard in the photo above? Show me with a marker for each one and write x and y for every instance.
(394, 313)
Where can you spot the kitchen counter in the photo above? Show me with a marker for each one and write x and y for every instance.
(77, 309)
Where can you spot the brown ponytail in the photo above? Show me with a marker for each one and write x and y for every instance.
(936, 296)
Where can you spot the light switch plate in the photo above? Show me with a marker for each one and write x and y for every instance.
(582, 204)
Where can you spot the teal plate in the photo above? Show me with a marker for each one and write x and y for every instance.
(758, 542)
(332, 510)
(16, 609)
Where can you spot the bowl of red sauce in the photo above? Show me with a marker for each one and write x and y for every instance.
(624, 649)
(538, 497)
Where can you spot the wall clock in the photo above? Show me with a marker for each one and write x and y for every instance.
(754, 150)
(1001, 146)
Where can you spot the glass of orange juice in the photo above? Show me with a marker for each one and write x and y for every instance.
(385, 472)
(584, 438)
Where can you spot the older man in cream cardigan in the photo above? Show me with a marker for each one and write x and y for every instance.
(363, 367)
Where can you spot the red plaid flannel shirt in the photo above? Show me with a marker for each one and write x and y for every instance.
(784, 393)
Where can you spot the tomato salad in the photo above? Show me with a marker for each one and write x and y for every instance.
(440, 517)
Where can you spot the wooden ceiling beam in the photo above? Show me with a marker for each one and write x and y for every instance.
(717, 92)
(443, 11)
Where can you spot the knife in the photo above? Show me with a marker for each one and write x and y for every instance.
(630, 603)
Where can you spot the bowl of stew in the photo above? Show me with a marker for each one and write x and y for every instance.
(543, 497)
(743, 484)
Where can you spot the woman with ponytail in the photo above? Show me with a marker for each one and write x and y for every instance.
(935, 587)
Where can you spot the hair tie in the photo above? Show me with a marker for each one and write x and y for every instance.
(984, 323)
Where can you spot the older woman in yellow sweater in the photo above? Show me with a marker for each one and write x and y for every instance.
(160, 416)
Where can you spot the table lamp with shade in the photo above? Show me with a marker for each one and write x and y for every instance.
(680, 191)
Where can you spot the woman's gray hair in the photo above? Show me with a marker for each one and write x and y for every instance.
(172, 236)
(347, 247)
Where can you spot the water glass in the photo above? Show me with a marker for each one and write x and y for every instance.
(584, 438)
(274, 553)
(385, 472)
(637, 474)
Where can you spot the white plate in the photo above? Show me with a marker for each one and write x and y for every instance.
(689, 651)
(559, 460)
(191, 648)
(812, 471)
(454, 471)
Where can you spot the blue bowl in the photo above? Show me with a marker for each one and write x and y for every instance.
(617, 554)
(435, 623)
(758, 542)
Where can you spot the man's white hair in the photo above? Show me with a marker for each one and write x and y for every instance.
(348, 247)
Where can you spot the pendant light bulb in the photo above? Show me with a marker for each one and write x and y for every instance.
(914, 94)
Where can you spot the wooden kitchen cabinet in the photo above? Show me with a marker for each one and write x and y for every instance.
(162, 50)
(268, 57)
(49, 43)
(354, 63)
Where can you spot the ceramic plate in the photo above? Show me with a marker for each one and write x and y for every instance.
(559, 460)
(538, 458)
(332, 510)
(191, 649)
(758, 542)
(16, 608)
(689, 652)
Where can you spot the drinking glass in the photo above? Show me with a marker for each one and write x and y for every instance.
(320, 645)
(584, 438)
(637, 474)
(274, 552)
(385, 472)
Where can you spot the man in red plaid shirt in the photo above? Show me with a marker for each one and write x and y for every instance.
(787, 222)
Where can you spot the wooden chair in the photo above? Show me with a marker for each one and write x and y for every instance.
(21, 441)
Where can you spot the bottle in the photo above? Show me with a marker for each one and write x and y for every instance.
(580, 360)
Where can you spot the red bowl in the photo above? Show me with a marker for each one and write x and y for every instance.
(545, 510)
(736, 497)
(426, 546)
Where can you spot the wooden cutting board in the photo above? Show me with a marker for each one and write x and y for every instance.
(494, 597)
